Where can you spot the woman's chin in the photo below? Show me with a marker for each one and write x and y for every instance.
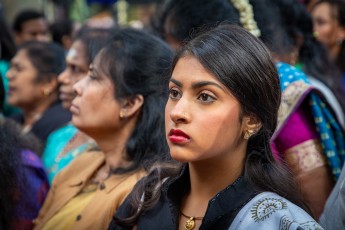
(179, 158)
(76, 122)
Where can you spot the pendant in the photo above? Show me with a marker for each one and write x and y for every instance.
(190, 224)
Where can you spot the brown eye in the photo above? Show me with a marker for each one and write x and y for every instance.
(206, 98)
(174, 94)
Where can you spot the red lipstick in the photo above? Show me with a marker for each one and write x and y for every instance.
(177, 136)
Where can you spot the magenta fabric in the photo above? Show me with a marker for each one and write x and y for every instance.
(34, 188)
(298, 129)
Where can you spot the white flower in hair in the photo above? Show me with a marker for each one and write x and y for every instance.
(247, 16)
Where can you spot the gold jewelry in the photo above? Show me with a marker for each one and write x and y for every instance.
(247, 16)
(248, 134)
(123, 114)
(47, 92)
(190, 223)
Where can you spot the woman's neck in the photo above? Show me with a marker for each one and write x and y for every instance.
(334, 51)
(113, 146)
(34, 112)
(207, 179)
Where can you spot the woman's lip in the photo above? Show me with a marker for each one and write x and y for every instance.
(63, 96)
(11, 90)
(178, 139)
(178, 136)
(178, 132)
(74, 109)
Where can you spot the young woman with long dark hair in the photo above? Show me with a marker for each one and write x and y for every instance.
(219, 118)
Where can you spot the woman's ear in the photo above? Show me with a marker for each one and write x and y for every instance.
(251, 125)
(131, 105)
(50, 86)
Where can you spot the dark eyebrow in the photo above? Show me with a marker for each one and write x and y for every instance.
(205, 83)
(176, 82)
(197, 84)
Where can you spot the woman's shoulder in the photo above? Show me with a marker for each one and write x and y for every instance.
(92, 157)
(77, 168)
(268, 210)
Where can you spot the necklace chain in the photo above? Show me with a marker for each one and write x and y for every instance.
(190, 222)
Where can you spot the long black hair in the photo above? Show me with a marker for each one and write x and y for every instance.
(138, 63)
(244, 65)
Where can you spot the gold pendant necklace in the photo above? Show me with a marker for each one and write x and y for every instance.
(190, 222)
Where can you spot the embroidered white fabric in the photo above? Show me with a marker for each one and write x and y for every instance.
(270, 211)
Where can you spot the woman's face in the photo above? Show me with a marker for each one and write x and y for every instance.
(95, 110)
(24, 90)
(202, 117)
(326, 25)
(76, 69)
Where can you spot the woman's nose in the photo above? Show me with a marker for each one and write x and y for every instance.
(180, 112)
(78, 86)
(9, 74)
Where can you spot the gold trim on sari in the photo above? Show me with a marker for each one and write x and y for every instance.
(305, 156)
(291, 96)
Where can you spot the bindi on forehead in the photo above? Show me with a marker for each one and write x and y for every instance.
(72, 53)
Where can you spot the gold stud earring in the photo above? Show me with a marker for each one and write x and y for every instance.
(47, 92)
(248, 134)
(122, 114)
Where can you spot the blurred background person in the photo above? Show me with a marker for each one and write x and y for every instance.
(303, 51)
(7, 52)
(62, 32)
(24, 184)
(30, 25)
(120, 104)
(33, 87)
(329, 26)
(66, 143)
(102, 14)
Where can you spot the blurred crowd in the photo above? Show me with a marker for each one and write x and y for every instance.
(91, 116)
